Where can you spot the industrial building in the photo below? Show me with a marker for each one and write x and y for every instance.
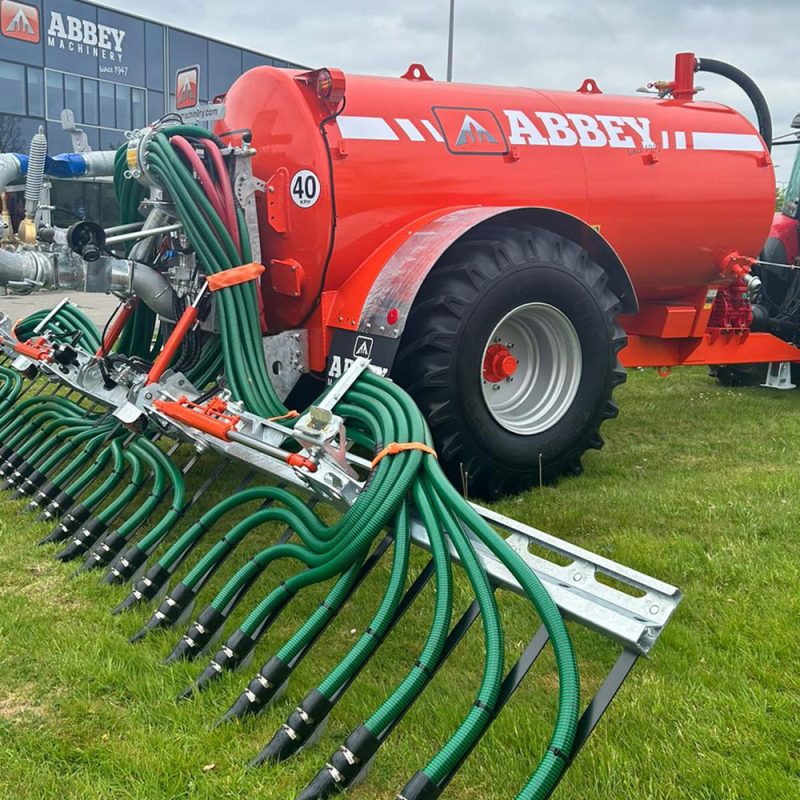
(114, 71)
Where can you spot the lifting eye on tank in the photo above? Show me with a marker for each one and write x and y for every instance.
(416, 72)
(589, 86)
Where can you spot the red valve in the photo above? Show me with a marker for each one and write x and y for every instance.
(735, 265)
(498, 364)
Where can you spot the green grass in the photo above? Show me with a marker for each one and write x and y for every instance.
(698, 485)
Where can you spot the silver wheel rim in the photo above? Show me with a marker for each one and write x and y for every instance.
(549, 364)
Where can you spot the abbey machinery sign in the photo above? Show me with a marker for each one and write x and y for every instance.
(67, 32)
(84, 36)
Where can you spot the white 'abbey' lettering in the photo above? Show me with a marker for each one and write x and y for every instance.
(85, 32)
(585, 130)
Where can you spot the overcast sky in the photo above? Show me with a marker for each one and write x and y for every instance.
(623, 44)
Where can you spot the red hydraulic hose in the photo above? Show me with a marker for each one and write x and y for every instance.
(226, 193)
(183, 146)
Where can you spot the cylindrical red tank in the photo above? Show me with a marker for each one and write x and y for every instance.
(673, 185)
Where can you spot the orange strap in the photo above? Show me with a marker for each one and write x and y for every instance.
(400, 447)
(234, 276)
(287, 415)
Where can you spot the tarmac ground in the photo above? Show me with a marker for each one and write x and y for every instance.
(97, 306)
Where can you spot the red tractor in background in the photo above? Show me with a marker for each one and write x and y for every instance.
(783, 245)
(776, 298)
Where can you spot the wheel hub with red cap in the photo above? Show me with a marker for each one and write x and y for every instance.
(498, 363)
(531, 368)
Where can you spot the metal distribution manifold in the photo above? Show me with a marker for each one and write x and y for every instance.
(93, 429)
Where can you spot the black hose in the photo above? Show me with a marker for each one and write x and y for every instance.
(748, 85)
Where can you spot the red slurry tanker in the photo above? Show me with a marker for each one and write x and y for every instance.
(482, 244)
(501, 252)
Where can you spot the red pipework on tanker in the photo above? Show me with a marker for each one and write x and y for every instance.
(672, 184)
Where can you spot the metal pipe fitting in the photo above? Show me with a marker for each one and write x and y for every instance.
(21, 268)
(96, 164)
(10, 169)
(25, 270)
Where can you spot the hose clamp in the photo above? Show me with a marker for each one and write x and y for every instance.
(136, 155)
(290, 732)
(263, 681)
(335, 774)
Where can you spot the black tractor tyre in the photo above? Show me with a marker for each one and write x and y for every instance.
(739, 374)
(479, 280)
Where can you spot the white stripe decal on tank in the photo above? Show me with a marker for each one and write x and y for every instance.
(378, 129)
(410, 130)
(374, 128)
(432, 130)
(737, 142)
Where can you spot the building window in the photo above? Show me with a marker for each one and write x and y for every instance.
(155, 106)
(55, 93)
(100, 104)
(72, 98)
(12, 88)
(123, 107)
(107, 102)
(110, 140)
(90, 106)
(35, 92)
(138, 116)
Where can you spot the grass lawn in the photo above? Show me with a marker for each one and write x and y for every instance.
(698, 485)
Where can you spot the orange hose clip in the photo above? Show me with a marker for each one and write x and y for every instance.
(234, 276)
(400, 447)
(212, 418)
(296, 460)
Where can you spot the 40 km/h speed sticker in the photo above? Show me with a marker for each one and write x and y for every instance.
(304, 188)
